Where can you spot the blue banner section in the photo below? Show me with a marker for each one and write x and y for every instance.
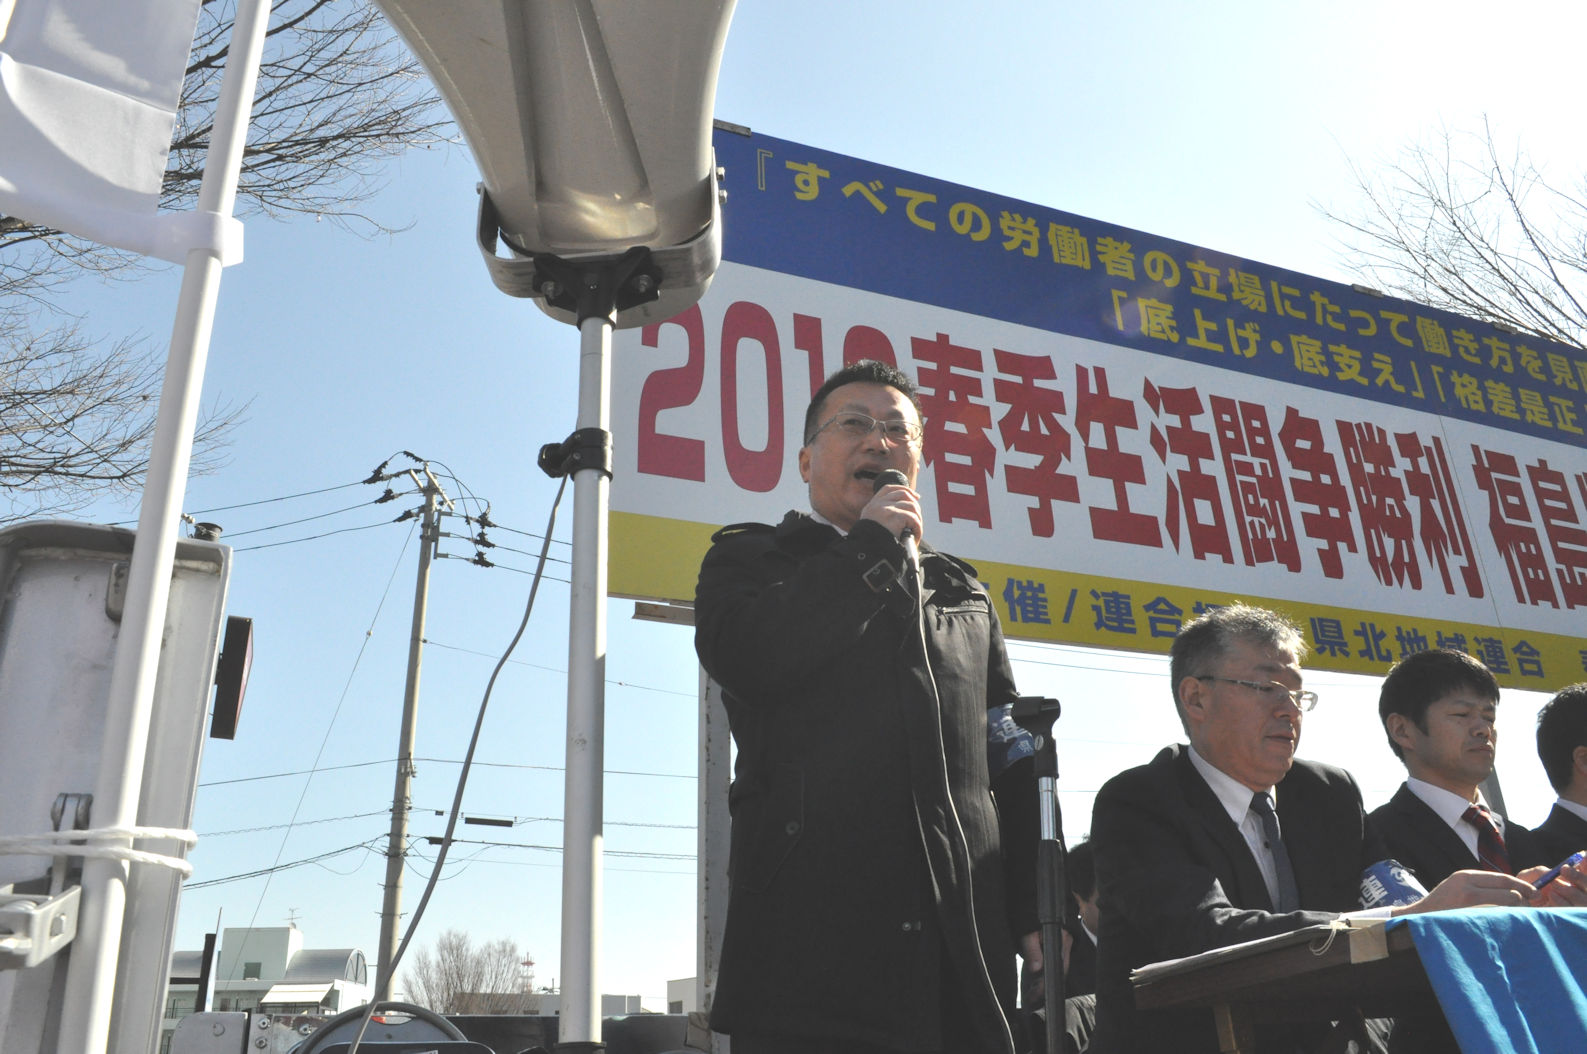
(1530, 998)
(809, 212)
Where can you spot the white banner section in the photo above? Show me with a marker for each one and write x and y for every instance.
(1106, 493)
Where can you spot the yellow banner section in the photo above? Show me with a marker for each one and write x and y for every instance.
(654, 558)
(1125, 614)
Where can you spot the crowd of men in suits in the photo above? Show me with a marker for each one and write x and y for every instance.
(1231, 838)
(885, 815)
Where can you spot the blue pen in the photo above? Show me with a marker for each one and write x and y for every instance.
(1570, 861)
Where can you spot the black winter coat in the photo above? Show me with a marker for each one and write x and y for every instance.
(866, 844)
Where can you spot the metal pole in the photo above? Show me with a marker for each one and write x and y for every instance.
(1050, 895)
(397, 845)
(713, 838)
(95, 954)
(582, 789)
(1036, 715)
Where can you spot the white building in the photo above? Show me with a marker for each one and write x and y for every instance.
(681, 996)
(269, 970)
(550, 1004)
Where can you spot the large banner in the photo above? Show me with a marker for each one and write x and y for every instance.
(1121, 430)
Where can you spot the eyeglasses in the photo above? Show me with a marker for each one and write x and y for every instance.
(857, 426)
(1303, 700)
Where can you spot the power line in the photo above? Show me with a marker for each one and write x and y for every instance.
(516, 820)
(558, 768)
(476, 559)
(298, 823)
(464, 863)
(556, 669)
(310, 538)
(267, 501)
(324, 740)
(1088, 667)
(435, 761)
(527, 534)
(633, 854)
(388, 963)
(483, 520)
(297, 772)
(274, 868)
(521, 552)
(260, 501)
(294, 523)
(479, 857)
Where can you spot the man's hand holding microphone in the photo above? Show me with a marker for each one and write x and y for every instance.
(896, 506)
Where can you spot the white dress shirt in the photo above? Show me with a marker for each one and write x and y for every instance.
(1235, 797)
(1450, 807)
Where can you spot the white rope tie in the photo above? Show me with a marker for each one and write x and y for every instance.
(58, 843)
(1322, 944)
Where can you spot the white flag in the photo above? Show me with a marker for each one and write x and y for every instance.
(88, 98)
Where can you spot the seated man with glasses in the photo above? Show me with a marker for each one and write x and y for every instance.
(1231, 838)
(877, 894)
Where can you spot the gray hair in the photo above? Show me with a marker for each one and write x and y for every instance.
(1206, 639)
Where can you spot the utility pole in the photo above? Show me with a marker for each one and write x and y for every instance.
(397, 846)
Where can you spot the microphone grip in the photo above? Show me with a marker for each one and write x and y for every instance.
(895, 478)
(911, 550)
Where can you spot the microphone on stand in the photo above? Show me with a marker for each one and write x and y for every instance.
(894, 478)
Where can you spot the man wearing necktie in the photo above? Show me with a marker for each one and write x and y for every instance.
(1439, 710)
(1562, 748)
(1231, 838)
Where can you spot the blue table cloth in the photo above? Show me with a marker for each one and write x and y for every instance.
(1508, 979)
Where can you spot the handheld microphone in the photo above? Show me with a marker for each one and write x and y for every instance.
(894, 478)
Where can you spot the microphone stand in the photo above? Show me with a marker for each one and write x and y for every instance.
(1036, 715)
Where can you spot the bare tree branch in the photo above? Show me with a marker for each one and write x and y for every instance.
(1459, 224)
(338, 95)
(76, 423)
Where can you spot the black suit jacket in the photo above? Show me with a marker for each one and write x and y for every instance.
(1176, 878)
(1562, 834)
(1415, 836)
(1081, 978)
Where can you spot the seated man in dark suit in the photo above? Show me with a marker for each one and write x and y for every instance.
(1562, 747)
(1190, 853)
(1080, 972)
(1438, 709)
(1079, 959)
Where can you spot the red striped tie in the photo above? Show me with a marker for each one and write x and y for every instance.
(1490, 843)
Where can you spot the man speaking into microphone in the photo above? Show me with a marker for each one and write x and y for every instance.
(878, 895)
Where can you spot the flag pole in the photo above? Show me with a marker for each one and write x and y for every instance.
(91, 972)
(583, 795)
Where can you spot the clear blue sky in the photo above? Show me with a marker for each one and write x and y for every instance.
(1219, 124)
